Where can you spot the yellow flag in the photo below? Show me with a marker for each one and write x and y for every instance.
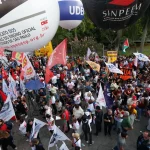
(94, 65)
(49, 48)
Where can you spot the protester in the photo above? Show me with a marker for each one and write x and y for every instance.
(76, 143)
(36, 145)
(108, 122)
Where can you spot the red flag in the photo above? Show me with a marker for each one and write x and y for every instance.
(2, 52)
(48, 75)
(58, 56)
(4, 74)
(17, 56)
(3, 96)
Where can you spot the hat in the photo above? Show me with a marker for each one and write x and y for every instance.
(76, 135)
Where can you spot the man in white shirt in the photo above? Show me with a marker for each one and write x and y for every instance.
(54, 80)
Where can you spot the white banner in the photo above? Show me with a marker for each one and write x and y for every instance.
(100, 101)
(141, 57)
(113, 68)
(37, 125)
(7, 111)
(63, 147)
(58, 135)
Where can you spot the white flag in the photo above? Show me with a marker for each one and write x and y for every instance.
(135, 61)
(88, 54)
(12, 87)
(100, 101)
(58, 135)
(7, 111)
(141, 57)
(97, 57)
(37, 125)
(5, 87)
(112, 68)
(63, 147)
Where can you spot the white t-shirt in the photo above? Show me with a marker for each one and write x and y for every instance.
(76, 125)
(70, 85)
(77, 142)
(77, 99)
(50, 126)
(22, 127)
(53, 99)
(54, 79)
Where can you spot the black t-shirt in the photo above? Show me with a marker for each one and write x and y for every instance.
(29, 128)
(142, 144)
(108, 117)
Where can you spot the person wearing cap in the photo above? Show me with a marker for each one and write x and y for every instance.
(98, 119)
(76, 142)
(121, 141)
(126, 124)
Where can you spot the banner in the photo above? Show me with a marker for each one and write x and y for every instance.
(100, 101)
(37, 125)
(27, 68)
(63, 147)
(141, 57)
(112, 56)
(127, 73)
(58, 135)
(7, 111)
(113, 68)
(94, 65)
(17, 56)
(107, 94)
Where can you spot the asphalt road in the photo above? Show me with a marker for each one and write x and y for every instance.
(100, 143)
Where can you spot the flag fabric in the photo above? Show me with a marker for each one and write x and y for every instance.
(135, 61)
(17, 56)
(12, 87)
(27, 69)
(2, 52)
(125, 45)
(4, 74)
(88, 54)
(141, 57)
(3, 96)
(48, 75)
(97, 59)
(7, 111)
(58, 135)
(22, 86)
(37, 125)
(100, 101)
(112, 68)
(58, 56)
(94, 65)
(63, 147)
(5, 87)
(50, 49)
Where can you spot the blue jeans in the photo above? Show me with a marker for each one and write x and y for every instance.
(116, 148)
(139, 113)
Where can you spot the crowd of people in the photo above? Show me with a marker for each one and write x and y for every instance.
(71, 94)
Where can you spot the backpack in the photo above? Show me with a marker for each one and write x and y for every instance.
(85, 126)
(9, 125)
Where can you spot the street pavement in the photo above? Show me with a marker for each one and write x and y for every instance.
(101, 142)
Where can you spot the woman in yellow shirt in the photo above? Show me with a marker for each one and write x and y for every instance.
(133, 113)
